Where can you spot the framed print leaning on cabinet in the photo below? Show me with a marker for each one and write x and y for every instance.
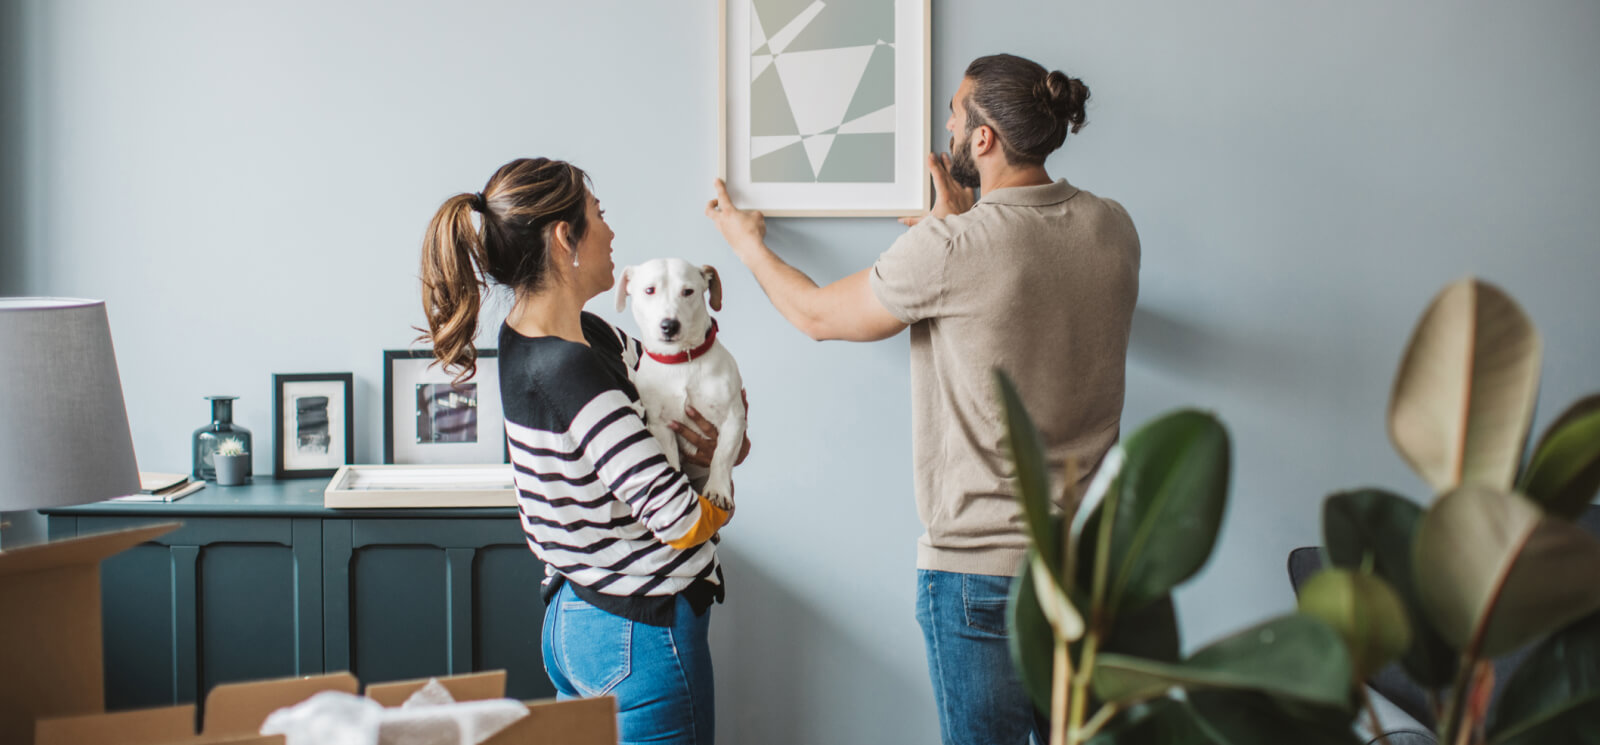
(825, 107)
(430, 418)
(313, 424)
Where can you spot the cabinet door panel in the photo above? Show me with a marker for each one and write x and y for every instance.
(136, 617)
(216, 601)
(398, 609)
(416, 598)
(247, 613)
(509, 617)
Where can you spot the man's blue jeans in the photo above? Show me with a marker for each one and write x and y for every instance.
(975, 686)
(660, 676)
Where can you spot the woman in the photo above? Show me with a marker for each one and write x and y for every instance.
(630, 572)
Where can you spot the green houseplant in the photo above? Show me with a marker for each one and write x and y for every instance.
(1493, 563)
(1092, 628)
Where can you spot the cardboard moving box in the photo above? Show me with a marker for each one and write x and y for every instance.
(53, 670)
(234, 713)
(50, 643)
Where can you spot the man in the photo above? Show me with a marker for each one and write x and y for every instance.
(1038, 278)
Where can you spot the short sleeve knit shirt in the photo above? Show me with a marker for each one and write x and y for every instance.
(1039, 281)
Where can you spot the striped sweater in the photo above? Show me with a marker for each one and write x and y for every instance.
(599, 503)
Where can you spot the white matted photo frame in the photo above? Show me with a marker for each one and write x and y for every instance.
(429, 418)
(824, 108)
(313, 424)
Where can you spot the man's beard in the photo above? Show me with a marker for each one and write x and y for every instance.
(962, 168)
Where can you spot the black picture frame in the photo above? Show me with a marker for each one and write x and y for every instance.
(405, 373)
(323, 436)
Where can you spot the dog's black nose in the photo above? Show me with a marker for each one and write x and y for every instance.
(670, 326)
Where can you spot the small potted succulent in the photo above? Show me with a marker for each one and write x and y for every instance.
(232, 462)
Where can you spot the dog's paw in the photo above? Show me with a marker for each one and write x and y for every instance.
(720, 494)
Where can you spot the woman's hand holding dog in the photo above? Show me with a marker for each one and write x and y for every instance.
(701, 437)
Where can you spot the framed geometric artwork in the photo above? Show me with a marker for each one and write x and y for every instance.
(429, 418)
(825, 107)
(313, 420)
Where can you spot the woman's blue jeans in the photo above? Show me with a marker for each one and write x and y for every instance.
(660, 676)
(976, 688)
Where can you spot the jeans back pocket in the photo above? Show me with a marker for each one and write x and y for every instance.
(596, 647)
(984, 598)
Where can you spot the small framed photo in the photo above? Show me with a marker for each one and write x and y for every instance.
(429, 418)
(313, 424)
(824, 108)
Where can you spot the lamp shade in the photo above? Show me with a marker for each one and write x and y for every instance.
(64, 435)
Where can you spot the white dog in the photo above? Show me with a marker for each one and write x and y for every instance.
(684, 364)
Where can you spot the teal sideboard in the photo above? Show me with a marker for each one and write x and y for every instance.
(262, 581)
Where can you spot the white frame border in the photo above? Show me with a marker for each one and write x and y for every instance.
(339, 413)
(910, 195)
(401, 377)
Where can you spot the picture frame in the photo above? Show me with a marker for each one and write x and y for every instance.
(829, 113)
(368, 487)
(313, 424)
(429, 419)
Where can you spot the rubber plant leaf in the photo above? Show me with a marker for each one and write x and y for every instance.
(1150, 632)
(1029, 637)
(1554, 695)
(1495, 572)
(1381, 525)
(1564, 472)
(1171, 493)
(1366, 612)
(1294, 656)
(1058, 609)
(1250, 718)
(1464, 396)
(1162, 720)
(1026, 451)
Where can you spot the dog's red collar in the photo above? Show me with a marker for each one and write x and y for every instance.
(682, 357)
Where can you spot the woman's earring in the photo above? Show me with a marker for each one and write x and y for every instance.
(574, 260)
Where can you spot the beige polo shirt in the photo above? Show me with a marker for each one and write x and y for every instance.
(1041, 282)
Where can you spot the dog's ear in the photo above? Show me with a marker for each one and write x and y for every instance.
(622, 288)
(713, 285)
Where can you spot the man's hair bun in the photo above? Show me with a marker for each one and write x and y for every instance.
(1064, 98)
(1031, 108)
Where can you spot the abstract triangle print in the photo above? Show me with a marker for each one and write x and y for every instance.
(846, 23)
(820, 84)
(817, 150)
(823, 91)
(774, 15)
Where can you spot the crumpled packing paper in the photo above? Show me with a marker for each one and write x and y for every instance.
(429, 717)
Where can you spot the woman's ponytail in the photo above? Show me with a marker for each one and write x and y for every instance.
(452, 283)
(520, 205)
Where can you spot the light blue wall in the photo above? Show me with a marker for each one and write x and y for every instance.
(247, 185)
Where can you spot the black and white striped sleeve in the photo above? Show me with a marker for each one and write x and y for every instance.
(579, 446)
(629, 462)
